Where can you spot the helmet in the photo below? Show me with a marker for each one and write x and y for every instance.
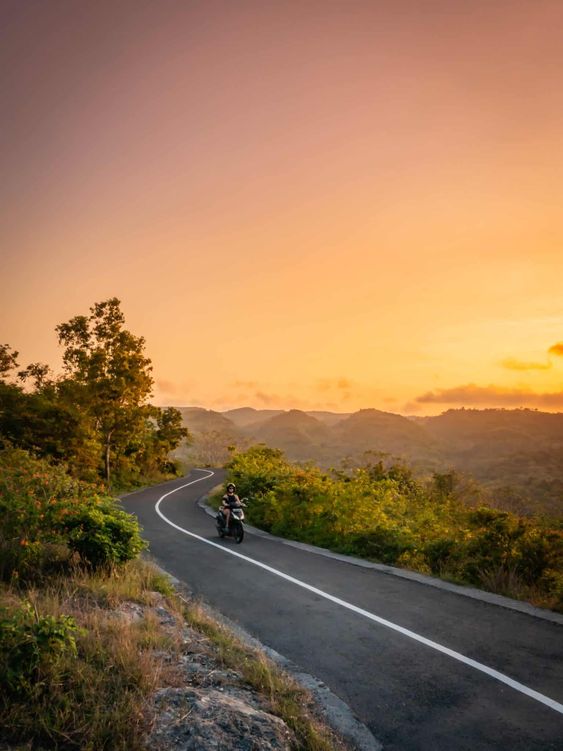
(231, 485)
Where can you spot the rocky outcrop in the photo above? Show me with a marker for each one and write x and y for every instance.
(202, 719)
(207, 707)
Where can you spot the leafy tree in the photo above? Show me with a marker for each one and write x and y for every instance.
(39, 373)
(110, 376)
(170, 431)
(95, 418)
(8, 360)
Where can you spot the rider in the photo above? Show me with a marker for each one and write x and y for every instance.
(230, 500)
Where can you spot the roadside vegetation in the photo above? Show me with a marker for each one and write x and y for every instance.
(71, 674)
(94, 417)
(286, 698)
(82, 647)
(75, 671)
(382, 513)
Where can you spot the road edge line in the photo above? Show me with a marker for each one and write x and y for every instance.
(490, 598)
(453, 654)
(336, 713)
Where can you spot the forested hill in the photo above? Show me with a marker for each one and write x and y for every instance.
(517, 454)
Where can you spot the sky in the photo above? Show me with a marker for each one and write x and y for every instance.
(301, 204)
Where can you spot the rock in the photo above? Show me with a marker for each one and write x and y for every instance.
(130, 611)
(192, 719)
(165, 617)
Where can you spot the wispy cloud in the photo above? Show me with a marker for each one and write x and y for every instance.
(492, 396)
(282, 401)
(167, 391)
(246, 384)
(168, 387)
(514, 364)
(333, 384)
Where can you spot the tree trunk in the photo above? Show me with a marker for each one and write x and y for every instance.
(107, 458)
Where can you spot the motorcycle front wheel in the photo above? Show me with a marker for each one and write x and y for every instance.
(220, 531)
(238, 533)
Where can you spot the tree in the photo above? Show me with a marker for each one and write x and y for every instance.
(168, 434)
(39, 373)
(108, 375)
(39, 420)
(8, 360)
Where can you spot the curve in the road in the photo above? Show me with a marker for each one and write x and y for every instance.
(516, 685)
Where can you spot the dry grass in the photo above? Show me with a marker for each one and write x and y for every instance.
(285, 697)
(98, 699)
(504, 580)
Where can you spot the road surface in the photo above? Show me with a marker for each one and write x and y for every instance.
(423, 668)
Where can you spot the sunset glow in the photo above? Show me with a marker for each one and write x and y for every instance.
(321, 205)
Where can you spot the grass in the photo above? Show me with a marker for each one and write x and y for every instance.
(98, 697)
(286, 698)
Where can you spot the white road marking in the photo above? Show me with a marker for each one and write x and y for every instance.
(551, 703)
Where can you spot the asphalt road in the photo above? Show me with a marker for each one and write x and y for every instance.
(413, 695)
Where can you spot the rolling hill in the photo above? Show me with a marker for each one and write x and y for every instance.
(516, 454)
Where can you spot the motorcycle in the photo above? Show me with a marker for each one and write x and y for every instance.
(236, 526)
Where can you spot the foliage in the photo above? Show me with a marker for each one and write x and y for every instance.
(385, 514)
(72, 674)
(112, 374)
(103, 535)
(45, 515)
(30, 646)
(8, 360)
(95, 418)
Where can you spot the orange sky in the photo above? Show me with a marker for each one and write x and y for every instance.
(300, 204)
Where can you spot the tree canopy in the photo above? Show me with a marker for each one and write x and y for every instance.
(96, 416)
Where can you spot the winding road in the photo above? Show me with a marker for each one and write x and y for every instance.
(425, 669)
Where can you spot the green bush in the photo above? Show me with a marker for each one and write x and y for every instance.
(104, 535)
(385, 544)
(384, 514)
(30, 645)
(46, 516)
(501, 540)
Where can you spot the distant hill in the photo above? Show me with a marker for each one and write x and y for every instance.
(329, 418)
(298, 434)
(469, 426)
(372, 429)
(199, 420)
(516, 454)
(243, 417)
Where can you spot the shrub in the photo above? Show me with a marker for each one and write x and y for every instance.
(46, 516)
(386, 515)
(104, 535)
(501, 540)
(30, 645)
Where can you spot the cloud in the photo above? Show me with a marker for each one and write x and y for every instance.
(251, 385)
(167, 387)
(492, 396)
(513, 364)
(331, 384)
(410, 408)
(266, 399)
(279, 401)
(170, 391)
(556, 349)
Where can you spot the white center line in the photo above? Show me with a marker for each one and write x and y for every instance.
(551, 703)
